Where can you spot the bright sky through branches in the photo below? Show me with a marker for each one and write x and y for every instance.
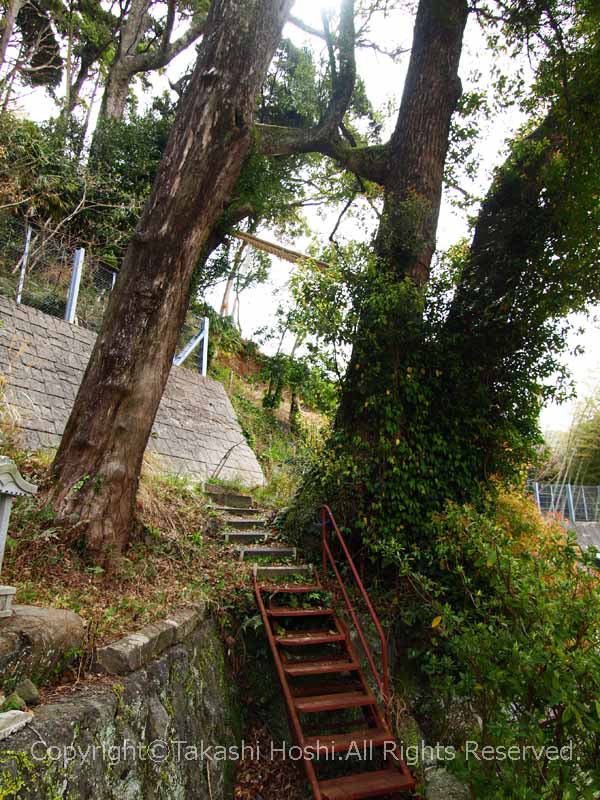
(384, 80)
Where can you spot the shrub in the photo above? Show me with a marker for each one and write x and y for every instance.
(510, 628)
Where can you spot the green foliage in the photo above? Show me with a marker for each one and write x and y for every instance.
(576, 454)
(36, 177)
(289, 95)
(284, 457)
(445, 386)
(509, 618)
(36, 22)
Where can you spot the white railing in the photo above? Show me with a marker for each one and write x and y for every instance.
(200, 337)
(575, 502)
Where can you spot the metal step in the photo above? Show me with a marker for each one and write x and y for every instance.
(297, 669)
(292, 588)
(283, 611)
(303, 638)
(274, 571)
(317, 704)
(245, 537)
(366, 784)
(356, 740)
(265, 551)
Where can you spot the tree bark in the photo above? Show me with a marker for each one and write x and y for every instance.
(115, 94)
(14, 6)
(419, 143)
(97, 466)
(413, 182)
(237, 259)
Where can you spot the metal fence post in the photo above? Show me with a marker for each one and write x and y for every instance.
(24, 262)
(585, 508)
(204, 351)
(570, 503)
(74, 287)
(536, 491)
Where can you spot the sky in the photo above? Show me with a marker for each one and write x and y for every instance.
(384, 79)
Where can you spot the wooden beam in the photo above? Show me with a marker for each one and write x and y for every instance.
(278, 250)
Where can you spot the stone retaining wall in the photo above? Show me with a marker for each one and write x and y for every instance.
(43, 360)
(138, 736)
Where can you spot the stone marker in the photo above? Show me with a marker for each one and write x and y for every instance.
(13, 721)
(12, 484)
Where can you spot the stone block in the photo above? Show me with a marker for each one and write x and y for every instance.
(27, 690)
(13, 721)
(35, 642)
(45, 362)
(134, 651)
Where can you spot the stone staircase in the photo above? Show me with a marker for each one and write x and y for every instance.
(256, 544)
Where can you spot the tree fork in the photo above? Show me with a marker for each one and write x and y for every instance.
(96, 469)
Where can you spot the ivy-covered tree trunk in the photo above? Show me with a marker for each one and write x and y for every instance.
(96, 469)
(405, 240)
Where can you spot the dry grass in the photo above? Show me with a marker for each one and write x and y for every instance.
(175, 556)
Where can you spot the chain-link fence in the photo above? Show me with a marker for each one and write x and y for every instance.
(36, 269)
(574, 502)
(41, 269)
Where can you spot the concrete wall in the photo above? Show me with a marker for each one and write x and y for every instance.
(588, 533)
(43, 359)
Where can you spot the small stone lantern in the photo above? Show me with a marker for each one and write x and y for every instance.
(12, 484)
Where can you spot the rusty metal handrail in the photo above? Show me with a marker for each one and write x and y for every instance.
(381, 677)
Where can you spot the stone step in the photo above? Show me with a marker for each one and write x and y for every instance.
(245, 524)
(236, 512)
(265, 551)
(275, 571)
(222, 496)
(245, 537)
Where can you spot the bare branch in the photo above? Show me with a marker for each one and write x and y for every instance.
(305, 27)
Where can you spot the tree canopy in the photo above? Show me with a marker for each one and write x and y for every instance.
(441, 361)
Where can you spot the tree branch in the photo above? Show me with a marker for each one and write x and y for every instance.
(305, 27)
(367, 162)
(144, 62)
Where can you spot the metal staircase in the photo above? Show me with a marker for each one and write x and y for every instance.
(337, 720)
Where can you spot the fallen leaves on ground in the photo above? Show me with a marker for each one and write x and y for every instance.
(266, 777)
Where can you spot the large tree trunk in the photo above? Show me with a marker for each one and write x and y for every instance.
(419, 144)
(412, 193)
(132, 32)
(97, 467)
(115, 94)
